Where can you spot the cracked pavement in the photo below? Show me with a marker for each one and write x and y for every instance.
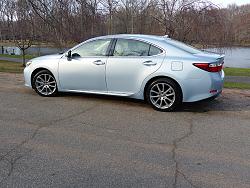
(77, 140)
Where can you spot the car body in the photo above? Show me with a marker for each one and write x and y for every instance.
(126, 64)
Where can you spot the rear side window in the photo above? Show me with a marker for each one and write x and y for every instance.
(154, 51)
(129, 47)
(126, 47)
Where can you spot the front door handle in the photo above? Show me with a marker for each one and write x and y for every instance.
(149, 63)
(99, 62)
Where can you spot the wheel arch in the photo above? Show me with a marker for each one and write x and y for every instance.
(159, 77)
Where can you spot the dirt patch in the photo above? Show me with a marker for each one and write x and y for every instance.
(230, 100)
(237, 92)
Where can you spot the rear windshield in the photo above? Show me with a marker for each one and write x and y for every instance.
(183, 46)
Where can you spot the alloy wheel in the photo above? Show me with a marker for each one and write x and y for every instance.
(162, 95)
(45, 84)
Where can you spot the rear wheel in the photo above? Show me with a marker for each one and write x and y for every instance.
(164, 95)
(45, 84)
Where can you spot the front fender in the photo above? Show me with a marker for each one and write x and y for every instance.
(52, 67)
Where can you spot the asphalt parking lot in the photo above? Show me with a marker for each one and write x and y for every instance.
(77, 140)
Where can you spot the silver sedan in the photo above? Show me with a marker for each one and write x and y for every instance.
(163, 71)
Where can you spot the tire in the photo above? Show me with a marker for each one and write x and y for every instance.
(44, 83)
(164, 95)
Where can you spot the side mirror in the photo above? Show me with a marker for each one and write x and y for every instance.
(69, 55)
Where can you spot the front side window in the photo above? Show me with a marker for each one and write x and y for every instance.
(92, 48)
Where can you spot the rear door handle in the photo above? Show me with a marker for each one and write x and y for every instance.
(99, 62)
(149, 63)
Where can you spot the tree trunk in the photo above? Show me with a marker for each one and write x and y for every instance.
(23, 58)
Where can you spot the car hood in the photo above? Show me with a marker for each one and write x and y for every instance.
(48, 57)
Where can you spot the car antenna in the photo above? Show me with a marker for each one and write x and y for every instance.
(166, 36)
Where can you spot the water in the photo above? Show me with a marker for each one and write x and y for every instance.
(235, 56)
(37, 51)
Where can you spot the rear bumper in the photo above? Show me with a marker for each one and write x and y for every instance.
(210, 85)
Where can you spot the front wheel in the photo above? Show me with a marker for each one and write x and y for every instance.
(164, 95)
(45, 84)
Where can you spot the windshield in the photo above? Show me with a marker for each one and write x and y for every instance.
(183, 46)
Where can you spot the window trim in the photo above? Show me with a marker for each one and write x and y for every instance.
(139, 40)
(112, 47)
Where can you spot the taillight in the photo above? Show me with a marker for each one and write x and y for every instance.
(210, 67)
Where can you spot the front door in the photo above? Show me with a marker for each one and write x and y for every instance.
(85, 71)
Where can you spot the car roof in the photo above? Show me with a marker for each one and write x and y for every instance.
(135, 36)
(155, 39)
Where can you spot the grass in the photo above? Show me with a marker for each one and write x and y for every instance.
(13, 67)
(10, 67)
(17, 56)
(237, 71)
(233, 85)
(34, 43)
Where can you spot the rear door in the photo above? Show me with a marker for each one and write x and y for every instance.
(131, 62)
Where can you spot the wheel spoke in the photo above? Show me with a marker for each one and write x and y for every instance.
(152, 91)
(167, 95)
(156, 96)
(165, 102)
(49, 78)
(156, 101)
(40, 82)
(163, 87)
(169, 99)
(50, 90)
(161, 103)
(43, 88)
(40, 78)
(158, 87)
(167, 91)
(40, 86)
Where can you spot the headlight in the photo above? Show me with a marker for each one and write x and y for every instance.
(28, 63)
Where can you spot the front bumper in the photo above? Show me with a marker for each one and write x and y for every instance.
(27, 76)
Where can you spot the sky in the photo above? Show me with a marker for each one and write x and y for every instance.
(224, 3)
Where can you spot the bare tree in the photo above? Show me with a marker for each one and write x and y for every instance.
(110, 6)
(23, 45)
(65, 22)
